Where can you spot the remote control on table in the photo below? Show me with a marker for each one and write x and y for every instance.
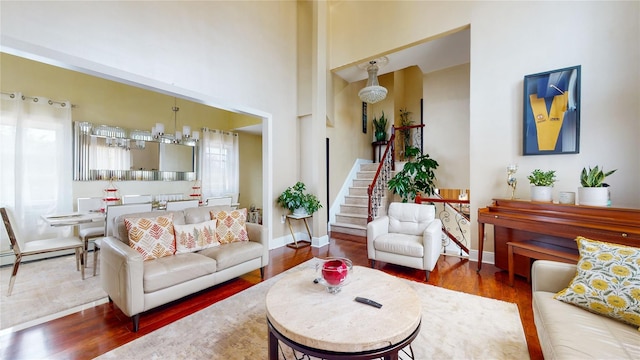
(368, 302)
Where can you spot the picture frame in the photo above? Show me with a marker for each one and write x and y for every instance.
(364, 117)
(551, 107)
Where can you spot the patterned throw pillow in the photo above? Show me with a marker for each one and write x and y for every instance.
(194, 237)
(231, 225)
(152, 237)
(607, 281)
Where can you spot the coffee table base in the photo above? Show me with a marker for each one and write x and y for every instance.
(387, 353)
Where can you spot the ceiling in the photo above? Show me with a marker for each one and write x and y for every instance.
(430, 56)
(438, 54)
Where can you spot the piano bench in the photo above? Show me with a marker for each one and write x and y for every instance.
(539, 250)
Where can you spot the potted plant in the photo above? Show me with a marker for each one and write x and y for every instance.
(297, 201)
(417, 176)
(380, 128)
(542, 185)
(408, 151)
(594, 190)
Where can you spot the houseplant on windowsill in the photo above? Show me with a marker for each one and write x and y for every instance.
(297, 201)
(542, 185)
(417, 177)
(380, 128)
(594, 191)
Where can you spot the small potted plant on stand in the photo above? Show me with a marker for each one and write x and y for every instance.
(542, 185)
(297, 201)
(594, 191)
(380, 128)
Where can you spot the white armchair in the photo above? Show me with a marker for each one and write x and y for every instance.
(409, 235)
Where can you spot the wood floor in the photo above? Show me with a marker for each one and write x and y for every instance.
(95, 331)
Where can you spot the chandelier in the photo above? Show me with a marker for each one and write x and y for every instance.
(185, 135)
(373, 92)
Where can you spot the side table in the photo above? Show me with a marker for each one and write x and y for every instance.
(297, 244)
(378, 147)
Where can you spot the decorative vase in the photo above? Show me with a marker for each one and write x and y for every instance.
(541, 193)
(300, 211)
(593, 196)
(381, 136)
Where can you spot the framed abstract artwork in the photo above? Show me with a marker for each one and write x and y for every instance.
(552, 112)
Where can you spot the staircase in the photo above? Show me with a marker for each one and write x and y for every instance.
(352, 218)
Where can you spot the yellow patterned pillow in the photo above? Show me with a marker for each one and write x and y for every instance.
(607, 281)
(153, 238)
(231, 225)
(194, 237)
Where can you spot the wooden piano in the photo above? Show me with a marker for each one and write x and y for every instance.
(555, 224)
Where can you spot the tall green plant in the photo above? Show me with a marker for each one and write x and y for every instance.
(380, 127)
(594, 177)
(408, 151)
(417, 176)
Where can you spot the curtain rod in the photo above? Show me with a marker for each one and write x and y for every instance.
(35, 99)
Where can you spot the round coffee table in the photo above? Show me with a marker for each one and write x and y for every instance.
(305, 317)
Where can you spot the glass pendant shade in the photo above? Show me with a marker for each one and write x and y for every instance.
(373, 92)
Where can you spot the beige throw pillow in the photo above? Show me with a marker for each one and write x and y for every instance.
(153, 238)
(194, 237)
(231, 225)
(607, 281)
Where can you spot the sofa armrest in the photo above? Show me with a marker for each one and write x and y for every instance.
(551, 276)
(432, 242)
(376, 228)
(121, 275)
(258, 233)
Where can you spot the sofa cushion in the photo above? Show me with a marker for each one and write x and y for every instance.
(569, 332)
(172, 270)
(194, 237)
(201, 213)
(607, 281)
(231, 225)
(153, 238)
(232, 254)
(401, 244)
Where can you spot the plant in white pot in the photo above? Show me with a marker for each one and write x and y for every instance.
(542, 185)
(297, 201)
(594, 190)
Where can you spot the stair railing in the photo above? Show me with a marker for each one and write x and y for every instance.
(461, 219)
(378, 186)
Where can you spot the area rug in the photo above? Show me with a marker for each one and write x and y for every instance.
(454, 326)
(46, 289)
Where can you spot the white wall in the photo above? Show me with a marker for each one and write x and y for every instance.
(508, 43)
(446, 118)
(233, 55)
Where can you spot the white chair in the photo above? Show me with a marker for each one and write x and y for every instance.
(136, 199)
(113, 211)
(222, 200)
(38, 247)
(409, 235)
(91, 230)
(181, 204)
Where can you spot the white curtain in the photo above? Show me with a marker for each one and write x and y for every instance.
(219, 163)
(36, 162)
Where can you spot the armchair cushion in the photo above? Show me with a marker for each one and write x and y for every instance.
(408, 245)
(411, 219)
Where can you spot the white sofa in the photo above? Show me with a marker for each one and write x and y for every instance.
(136, 286)
(409, 235)
(569, 332)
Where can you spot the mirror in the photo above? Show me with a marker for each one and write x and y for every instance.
(99, 157)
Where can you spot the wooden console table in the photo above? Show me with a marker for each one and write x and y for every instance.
(552, 224)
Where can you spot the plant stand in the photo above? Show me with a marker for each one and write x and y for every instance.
(297, 244)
